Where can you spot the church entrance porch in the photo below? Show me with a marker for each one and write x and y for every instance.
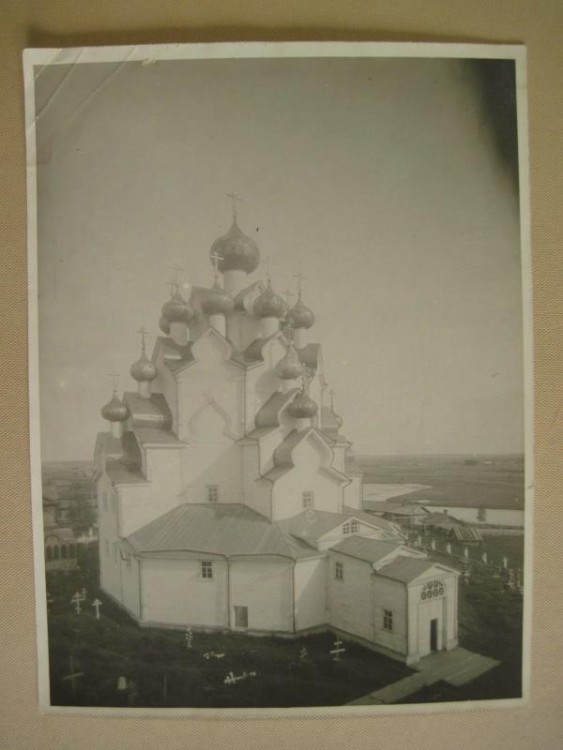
(431, 622)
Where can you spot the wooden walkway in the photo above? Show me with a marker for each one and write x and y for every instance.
(456, 667)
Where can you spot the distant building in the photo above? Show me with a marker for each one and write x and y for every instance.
(228, 497)
(405, 513)
(59, 539)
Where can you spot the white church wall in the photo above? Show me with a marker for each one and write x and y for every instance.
(213, 465)
(130, 585)
(350, 599)
(306, 476)
(162, 467)
(257, 492)
(108, 532)
(353, 493)
(242, 329)
(390, 596)
(310, 593)
(140, 504)
(265, 587)
(175, 593)
(211, 379)
(421, 612)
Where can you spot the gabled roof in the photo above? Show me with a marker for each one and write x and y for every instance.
(175, 356)
(152, 413)
(268, 414)
(363, 548)
(216, 529)
(467, 534)
(283, 454)
(395, 508)
(311, 525)
(407, 569)
(253, 352)
(149, 436)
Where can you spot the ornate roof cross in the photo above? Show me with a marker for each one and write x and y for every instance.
(268, 262)
(234, 197)
(175, 281)
(300, 278)
(114, 378)
(288, 294)
(143, 333)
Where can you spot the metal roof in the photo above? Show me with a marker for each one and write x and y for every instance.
(219, 529)
(407, 569)
(310, 525)
(150, 412)
(267, 415)
(370, 550)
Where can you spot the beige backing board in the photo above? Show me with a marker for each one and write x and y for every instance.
(77, 23)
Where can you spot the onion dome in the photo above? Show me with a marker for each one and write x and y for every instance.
(177, 310)
(217, 301)
(289, 366)
(302, 406)
(164, 325)
(269, 304)
(235, 251)
(115, 410)
(300, 316)
(143, 369)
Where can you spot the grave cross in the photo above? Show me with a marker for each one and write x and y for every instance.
(337, 650)
(189, 636)
(76, 599)
(97, 604)
(72, 677)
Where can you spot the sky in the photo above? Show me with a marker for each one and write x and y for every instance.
(381, 179)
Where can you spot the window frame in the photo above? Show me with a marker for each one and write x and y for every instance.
(212, 493)
(206, 570)
(339, 571)
(388, 620)
(308, 499)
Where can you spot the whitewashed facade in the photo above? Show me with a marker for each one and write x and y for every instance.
(228, 497)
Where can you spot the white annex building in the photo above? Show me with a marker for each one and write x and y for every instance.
(228, 497)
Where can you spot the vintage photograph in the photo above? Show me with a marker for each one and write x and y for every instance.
(279, 354)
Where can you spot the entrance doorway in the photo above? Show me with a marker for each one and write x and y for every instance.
(434, 634)
(241, 618)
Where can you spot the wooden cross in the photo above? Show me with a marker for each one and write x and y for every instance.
(288, 294)
(72, 677)
(174, 286)
(97, 604)
(143, 333)
(268, 262)
(114, 377)
(76, 599)
(234, 197)
(337, 650)
(300, 279)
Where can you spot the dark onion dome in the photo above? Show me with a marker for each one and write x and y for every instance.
(236, 251)
(115, 410)
(300, 316)
(177, 310)
(289, 366)
(217, 301)
(143, 369)
(302, 407)
(269, 304)
(164, 325)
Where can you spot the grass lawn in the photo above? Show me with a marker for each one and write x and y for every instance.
(166, 673)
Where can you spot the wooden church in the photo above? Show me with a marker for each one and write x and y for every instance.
(228, 497)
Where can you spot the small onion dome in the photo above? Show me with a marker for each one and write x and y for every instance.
(236, 251)
(143, 369)
(302, 407)
(269, 304)
(289, 367)
(217, 301)
(177, 310)
(300, 316)
(115, 410)
(164, 325)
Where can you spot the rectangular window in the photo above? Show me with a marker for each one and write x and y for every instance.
(207, 569)
(212, 493)
(241, 617)
(308, 499)
(387, 619)
(353, 527)
(338, 571)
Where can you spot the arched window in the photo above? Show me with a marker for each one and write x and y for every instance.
(49, 554)
(56, 552)
(64, 551)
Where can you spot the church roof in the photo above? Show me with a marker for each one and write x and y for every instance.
(283, 453)
(308, 355)
(152, 413)
(150, 436)
(395, 508)
(363, 548)
(267, 415)
(216, 529)
(121, 473)
(407, 569)
(311, 525)
(245, 298)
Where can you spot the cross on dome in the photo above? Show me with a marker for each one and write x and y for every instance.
(300, 279)
(143, 332)
(114, 380)
(215, 259)
(234, 198)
